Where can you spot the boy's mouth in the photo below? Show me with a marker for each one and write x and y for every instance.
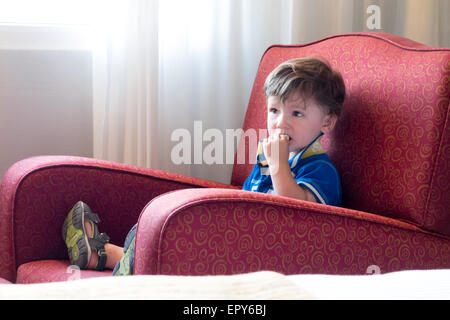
(286, 136)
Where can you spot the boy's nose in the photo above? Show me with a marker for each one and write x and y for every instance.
(282, 122)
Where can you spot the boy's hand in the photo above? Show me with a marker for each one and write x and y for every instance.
(276, 150)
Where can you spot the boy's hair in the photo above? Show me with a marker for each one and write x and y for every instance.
(310, 76)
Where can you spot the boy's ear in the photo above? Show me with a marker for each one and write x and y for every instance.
(329, 122)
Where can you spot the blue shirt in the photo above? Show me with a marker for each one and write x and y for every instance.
(311, 168)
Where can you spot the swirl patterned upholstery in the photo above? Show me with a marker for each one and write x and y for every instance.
(391, 147)
(225, 231)
(36, 194)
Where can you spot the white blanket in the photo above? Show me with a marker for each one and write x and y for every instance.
(404, 285)
(259, 286)
(264, 285)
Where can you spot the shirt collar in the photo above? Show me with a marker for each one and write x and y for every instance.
(314, 148)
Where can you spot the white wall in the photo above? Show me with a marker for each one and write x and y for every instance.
(45, 101)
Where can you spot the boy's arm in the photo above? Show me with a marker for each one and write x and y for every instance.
(277, 154)
(285, 185)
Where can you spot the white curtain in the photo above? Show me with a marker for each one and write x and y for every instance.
(125, 64)
(163, 65)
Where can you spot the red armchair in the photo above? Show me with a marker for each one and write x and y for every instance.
(391, 147)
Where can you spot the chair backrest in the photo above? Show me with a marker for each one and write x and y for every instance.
(391, 144)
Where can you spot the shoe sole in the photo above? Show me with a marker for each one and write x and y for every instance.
(77, 246)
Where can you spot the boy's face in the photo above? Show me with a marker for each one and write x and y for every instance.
(302, 120)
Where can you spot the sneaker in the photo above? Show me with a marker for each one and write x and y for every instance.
(79, 244)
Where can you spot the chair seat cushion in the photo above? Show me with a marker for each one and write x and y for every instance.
(4, 281)
(54, 270)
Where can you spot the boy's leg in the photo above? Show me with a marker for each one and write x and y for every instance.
(126, 264)
(113, 253)
(87, 247)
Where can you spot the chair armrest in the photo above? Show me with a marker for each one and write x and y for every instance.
(37, 193)
(219, 231)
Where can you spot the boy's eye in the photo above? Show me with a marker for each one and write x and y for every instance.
(273, 110)
(297, 114)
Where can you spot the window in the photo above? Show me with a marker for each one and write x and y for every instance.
(49, 12)
(50, 24)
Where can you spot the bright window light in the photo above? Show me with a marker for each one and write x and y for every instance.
(39, 12)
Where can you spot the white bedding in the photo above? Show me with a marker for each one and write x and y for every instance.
(265, 285)
(410, 285)
(252, 286)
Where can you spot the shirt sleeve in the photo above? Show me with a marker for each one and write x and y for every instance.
(322, 180)
(248, 182)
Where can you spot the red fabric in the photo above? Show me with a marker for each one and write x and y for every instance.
(437, 214)
(53, 271)
(392, 143)
(4, 281)
(391, 148)
(222, 231)
(37, 193)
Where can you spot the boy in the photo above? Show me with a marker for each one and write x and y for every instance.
(304, 99)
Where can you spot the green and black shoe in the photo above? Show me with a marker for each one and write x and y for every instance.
(79, 245)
